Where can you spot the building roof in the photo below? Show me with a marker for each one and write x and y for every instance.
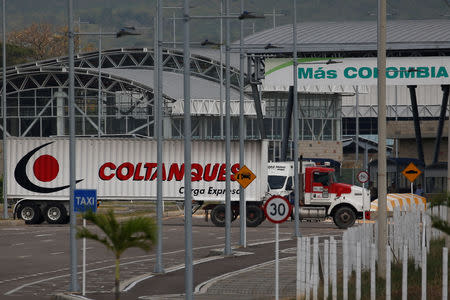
(173, 84)
(355, 36)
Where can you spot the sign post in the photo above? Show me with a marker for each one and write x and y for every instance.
(244, 177)
(411, 172)
(85, 200)
(363, 177)
(277, 210)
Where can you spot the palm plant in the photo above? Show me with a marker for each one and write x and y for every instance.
(137, 232)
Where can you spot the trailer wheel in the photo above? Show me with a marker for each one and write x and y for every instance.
(344, 217)
(55, 213)
(255, 215)
(218, 215)
(30, 213)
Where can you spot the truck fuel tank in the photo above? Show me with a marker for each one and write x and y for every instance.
(312, 212)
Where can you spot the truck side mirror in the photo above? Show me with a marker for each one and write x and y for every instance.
(289, 184)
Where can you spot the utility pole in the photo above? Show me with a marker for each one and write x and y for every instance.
(382, 189)
(227, 250)
(296, 129)
(158, 128)
(5, 169)
(242, 205)
(73, 217)
(188, 269)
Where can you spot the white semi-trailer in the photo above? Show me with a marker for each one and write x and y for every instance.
(126, 169)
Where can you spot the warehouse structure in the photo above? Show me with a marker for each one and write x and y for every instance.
(37, 92)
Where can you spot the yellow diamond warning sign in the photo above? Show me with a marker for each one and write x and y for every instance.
(411, 172)
(244, 176)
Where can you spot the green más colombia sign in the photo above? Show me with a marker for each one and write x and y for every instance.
(369, 72)
(357, 71)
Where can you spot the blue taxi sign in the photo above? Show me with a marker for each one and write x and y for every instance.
(85, 200)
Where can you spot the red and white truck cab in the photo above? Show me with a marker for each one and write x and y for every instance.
(323, 195)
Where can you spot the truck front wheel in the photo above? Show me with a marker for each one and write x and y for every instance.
(344, 217)
(55, 213)
(30, 213)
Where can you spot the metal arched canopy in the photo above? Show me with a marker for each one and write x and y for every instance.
(51, 77)
(203, 63)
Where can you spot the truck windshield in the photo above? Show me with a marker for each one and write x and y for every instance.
(276, 182)
(333, 177)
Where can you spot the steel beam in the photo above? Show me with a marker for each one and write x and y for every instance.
(259, 115)
(437, 145)
(415, 111)
(287, 125)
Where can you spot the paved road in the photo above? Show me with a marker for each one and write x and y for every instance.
(35, 259)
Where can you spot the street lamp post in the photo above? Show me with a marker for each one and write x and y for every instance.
(158, 128)
(227, 250)
(296, 129)
(5, 199)
(73, 244)
(381, 64)
(188, 278)
(242, 205)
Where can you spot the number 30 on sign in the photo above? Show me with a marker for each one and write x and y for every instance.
(277, 209)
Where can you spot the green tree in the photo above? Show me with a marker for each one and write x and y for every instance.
(16, 54)
(139, 232)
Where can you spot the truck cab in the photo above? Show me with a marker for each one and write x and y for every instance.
(281, 177)
(323, 195)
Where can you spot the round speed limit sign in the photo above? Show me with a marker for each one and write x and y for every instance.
(277, 209)
(363, 176)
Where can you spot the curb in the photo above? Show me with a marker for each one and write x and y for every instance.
(11, 222)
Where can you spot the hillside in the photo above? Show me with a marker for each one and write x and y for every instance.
(113, 14)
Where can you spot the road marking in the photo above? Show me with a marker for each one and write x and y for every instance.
(18, 244)
(24, 256)
(44, 234)
(46, 241)
(87, 248)
(220, 237)
(56, 253)
(151, 257)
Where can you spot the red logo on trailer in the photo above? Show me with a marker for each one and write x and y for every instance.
(45, 169)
